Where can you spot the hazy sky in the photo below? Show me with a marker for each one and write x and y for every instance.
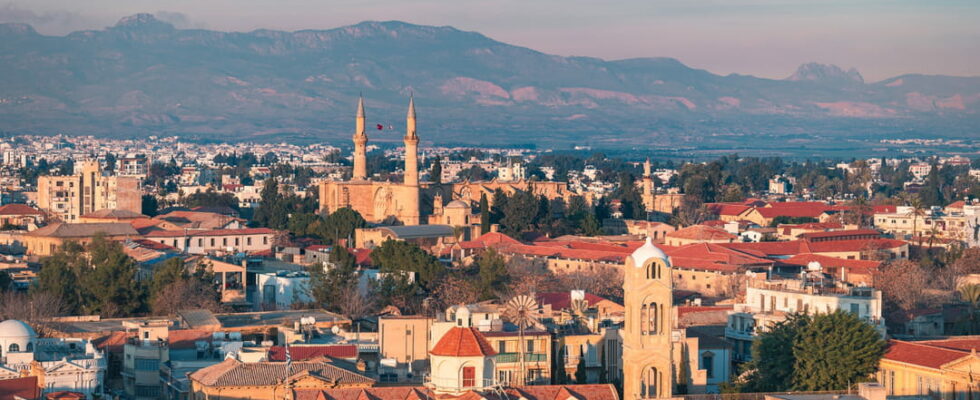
(769, 38)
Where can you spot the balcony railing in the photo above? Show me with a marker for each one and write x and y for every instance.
(515, 357)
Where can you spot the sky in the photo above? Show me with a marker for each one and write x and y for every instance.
(766, 38)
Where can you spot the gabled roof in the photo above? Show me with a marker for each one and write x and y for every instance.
(488, 239)
(713, 257)
(924, 354)
(19, 209)
(463, 342)
(563, 300)
(25, 388)
(67, 230)
(701, 232)
(232, 372)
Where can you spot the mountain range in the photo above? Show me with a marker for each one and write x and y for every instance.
(143, 77)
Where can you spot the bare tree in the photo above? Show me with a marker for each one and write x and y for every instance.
(356, 305)
(183, 294)
(36, 309)
(454, 290)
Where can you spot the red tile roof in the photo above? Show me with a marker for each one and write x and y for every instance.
(462, 342)
(701, 232)
(563, 300)
(537, 392)
(925, 354)
(840, 234)
(186, 338)
(563, 253)
(215, 232)
(65, 395)
(713, 257)
(19, 387)
(488, 239)
(302, 353)
(727, 208)
(19, 209)
(864, 267)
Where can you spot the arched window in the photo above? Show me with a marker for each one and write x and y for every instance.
(654, 324)
(661, 319)
(14, 347)
(649, 385)
(30, 347)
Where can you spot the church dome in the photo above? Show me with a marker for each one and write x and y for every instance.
(457, 204)
(646, 252)
(13, 328)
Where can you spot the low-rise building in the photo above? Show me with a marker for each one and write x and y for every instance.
(57, 364)
(224, 241)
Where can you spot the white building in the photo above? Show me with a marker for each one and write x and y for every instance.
(770, 301)
(61, 364)
(232, 241)
(282, 289)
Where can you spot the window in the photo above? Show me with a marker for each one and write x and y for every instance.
(212, 242)
(147, 364)
(502, 346)
(530, 347)
(708, 364)
(224, 241)
(30, 347)
(200, 242)
(469, 376)
(855, 308)
(248, 241)
(14, 347)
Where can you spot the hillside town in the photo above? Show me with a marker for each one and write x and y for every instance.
(162, 269)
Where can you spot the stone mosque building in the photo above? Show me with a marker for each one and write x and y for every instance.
(411, 202)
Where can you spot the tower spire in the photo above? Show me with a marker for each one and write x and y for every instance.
(360, 143)
(411, 146)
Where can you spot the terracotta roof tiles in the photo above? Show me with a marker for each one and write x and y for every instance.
(463, 342)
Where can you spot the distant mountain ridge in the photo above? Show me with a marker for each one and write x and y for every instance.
(143, 77)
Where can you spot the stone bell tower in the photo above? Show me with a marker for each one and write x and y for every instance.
(647, 344)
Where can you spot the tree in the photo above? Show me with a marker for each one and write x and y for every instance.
(272, 211)
(917, 211)
(931, 193)
(581, 375)
(436, 172)
(5, 281)
(34, 308)
(326, 281)
(902, 284)
(834, 351)
(172, 270)
(455, 289)
(493, 274)
(484, 214)
(772, 356)
(341, 225)
(186, 293)
(472, 174)
(397, 255)
(150, 205)
(110, 287)
(519, 212)
(58, 278)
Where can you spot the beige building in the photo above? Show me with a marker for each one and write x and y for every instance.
(410, 202)
(937, 369)
(648, 365)
(67, 198)
(404, 343)
(46, 241)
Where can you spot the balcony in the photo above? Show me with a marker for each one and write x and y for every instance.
(515, 357)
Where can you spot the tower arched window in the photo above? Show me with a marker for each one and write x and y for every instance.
(649, 385)
(654, 323)
(661, 319)
(14, 347)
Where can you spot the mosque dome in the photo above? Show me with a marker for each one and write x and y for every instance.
(13, 328)
(646, 252)
(457, 204)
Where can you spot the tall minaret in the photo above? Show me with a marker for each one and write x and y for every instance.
(647, 195)
(360, 145)
(411, 147)
(647, 342)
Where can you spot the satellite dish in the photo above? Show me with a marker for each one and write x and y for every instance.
(814, 266)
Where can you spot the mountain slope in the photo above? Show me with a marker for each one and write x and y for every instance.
(144, 77)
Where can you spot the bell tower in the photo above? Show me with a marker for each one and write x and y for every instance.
(647, 345)
(647, 195)
(360, 144)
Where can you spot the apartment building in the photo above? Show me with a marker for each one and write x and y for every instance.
(67, 198)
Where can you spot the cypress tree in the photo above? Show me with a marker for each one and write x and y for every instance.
(436, 171)
(484, 214)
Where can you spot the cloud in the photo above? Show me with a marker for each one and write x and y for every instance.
(52, 23)
(179, 20)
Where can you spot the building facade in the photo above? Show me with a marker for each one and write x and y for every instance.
(647, 344)
(69, 197)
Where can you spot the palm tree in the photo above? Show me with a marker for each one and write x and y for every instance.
(918, 211)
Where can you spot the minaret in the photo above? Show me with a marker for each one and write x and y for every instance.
(411, 147)
(647, 345)
(412, 212)
(360, 144)
(647, 195)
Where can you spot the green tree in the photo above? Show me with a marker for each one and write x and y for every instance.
(519, 213)
(149, 205)
(397, 255)
(272, 211)
(932, 193)
(484, 214)
(327, 280)
(58, 276)
(835, 351)
(772, 356)
(5, 281)
(341, 225)
(493, 274)
(581, 375)
(172, 270)
(110, 288)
